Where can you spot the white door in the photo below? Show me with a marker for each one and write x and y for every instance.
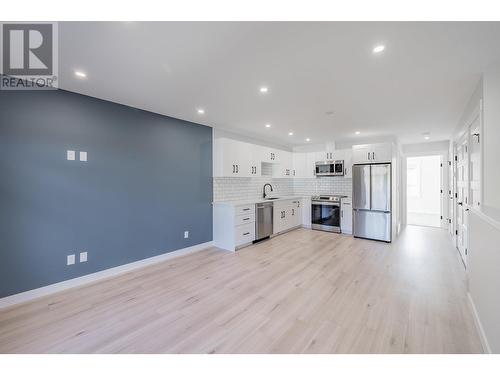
(462, 196)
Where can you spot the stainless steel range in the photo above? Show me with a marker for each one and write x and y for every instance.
(325, 212)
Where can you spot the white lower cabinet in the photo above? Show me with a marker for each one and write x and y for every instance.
(287, 214)
(346, 215)
(234, 226)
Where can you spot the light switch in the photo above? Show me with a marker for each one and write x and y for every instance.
(70, 259)
(83, 155)
(70, 155)
(83, 256)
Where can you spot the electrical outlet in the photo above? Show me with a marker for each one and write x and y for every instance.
(83, 155)
(70, 155)
(83, 257)
(186, 234)
(70, 260)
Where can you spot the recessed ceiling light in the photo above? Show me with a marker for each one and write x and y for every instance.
(358, 132)
(268, 125)
(201, 111)
(308, 139)
(379, 48)
(80, 74)
(427, 137)
(264, 89)
(329, 113)
(290, 133)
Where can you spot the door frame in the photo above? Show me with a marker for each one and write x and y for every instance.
(444, 184)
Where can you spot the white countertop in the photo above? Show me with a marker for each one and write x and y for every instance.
(259, 200)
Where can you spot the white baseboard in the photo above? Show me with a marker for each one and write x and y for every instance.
(100, 275)
(479, 326)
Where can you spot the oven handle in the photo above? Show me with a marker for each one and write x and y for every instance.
(325, 204)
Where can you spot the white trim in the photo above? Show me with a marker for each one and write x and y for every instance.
(97, 276)
(479, 326)
(486, 218)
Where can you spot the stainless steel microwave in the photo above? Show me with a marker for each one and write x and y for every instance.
(329, 168)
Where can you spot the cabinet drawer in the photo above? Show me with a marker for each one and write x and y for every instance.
(244, 233)
(244, 219)
(244, 210)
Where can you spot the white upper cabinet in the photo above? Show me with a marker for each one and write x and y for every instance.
(284, 168)
(270, 155)
(372, 153)
(304, 164)
(232, 158)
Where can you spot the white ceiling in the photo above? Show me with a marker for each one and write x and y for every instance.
(420, 83)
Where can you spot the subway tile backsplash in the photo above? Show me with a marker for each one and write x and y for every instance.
(235, 188)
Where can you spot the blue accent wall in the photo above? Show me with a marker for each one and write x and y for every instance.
(148, 179)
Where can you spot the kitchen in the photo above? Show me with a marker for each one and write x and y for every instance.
(309, 189)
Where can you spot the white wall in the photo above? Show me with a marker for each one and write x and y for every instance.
(484, 277)
(429, 199)
(484, 226)
(491, 136)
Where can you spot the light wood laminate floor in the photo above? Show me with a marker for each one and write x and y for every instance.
(301, 292)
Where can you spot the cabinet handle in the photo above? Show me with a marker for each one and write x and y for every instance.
(246, 234)
(341, 213)
(373, 155)
(246, 209)
(369, 156)
(233, 168)
(245, 219)
(236, 168)
(293, 211)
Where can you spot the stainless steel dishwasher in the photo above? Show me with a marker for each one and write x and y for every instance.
(264, 220)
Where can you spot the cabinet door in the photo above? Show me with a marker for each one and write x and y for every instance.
(311, 165)
(361, 154)
(346, 217)
(381, 152)
(243, 158)
(348, 163)
(296, 213)
(278, 217)
(299, 165)
(258, 154)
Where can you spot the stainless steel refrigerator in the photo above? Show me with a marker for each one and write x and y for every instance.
(371, 201)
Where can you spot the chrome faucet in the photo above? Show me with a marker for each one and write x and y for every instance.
(264, 190)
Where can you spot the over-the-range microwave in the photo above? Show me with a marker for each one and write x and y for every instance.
(329, 168)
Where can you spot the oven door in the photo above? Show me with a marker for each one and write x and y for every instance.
(325, 216)
(325, 169)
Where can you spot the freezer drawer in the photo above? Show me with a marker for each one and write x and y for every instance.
(372, 225)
